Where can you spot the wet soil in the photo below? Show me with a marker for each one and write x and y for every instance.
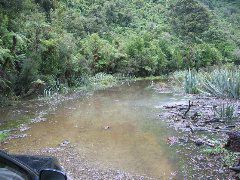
(201, 129)
(82, 169)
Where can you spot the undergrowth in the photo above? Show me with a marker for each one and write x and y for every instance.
(223, 82)
(226, 112)
(229, 158)
(3, 136)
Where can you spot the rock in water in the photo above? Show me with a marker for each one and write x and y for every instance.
(106, 127)
(233, 142)
(64, 143)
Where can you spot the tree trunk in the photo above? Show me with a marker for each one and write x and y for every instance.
(14, 44)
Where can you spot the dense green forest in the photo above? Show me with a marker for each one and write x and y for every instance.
(49, 41)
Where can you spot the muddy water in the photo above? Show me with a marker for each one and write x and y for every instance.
(116, 128)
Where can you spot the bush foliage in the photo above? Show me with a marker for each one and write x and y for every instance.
(223, 82)
(62, 41)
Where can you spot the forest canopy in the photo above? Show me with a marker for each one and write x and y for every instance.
(49, 40)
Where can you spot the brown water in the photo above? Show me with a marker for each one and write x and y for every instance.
(134, 142)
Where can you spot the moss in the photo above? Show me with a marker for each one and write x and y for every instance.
(228, 158)
(214, 151)
(3, 136)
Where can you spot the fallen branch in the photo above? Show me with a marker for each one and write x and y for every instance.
(200, 142)
(188, 109)
(214, 120)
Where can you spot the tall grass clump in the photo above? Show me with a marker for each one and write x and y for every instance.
(226, 112)
(191, 82)
(222, 82)
(186, 81)
(178, 77)
(102, 81)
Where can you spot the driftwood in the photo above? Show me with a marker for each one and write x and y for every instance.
(214, 120)
(193, 129)
(200, 142)
(169, 107)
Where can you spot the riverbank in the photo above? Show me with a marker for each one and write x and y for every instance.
(17, 119)
(203, 128)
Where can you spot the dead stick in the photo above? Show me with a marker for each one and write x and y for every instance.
(189, 107)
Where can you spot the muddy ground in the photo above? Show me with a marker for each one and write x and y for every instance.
(79, 168)
(202, 129)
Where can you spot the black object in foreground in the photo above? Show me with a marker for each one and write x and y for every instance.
(233, 142)
(22, 167)
(236, 169)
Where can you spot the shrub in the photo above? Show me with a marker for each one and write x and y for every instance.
(229, 158)
(26, 77)
(101, 81)
(99, 55)
(191, 82)
(222, 82)
(226, 112)
(3, 136)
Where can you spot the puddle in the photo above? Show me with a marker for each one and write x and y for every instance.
(115, 128)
